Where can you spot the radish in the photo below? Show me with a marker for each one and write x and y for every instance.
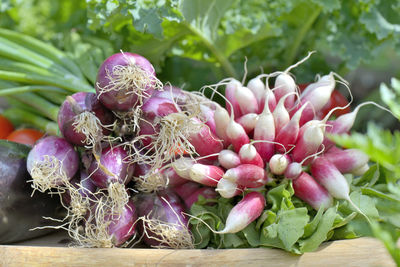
(285, 86)
(208, 175)
(52, 162)
(310, 139)
(278, 163)
(228, 159)
(280, 114)
(311, 192)
(246, 100)
(172, 177)
(173, 93)
(207, 114)
(319, 93)
(232, 105)
(348, 160)
(247, 175)
(125, 80)
(293, 170)
(249, 155)
(203, 140)
(257, 86)
(182, 166)
(265, 131)
(248, 122)
(237, 135)
(222, 120)
(244, 212)
(227, 189)
(287, 136)
(330, 177)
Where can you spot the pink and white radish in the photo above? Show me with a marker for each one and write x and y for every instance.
(348, 160)
(228, 189)
(311, 192)
(265, 131)
(278, 163)
(247, 175)
(208, 175)
(248, 122)
(228, 159)
(244, 212)
(249, 155)
(246, 100)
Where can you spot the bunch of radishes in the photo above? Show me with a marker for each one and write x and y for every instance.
(137, 153)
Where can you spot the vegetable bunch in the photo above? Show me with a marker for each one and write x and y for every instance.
(137, 154)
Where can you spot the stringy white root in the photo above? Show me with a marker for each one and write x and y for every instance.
(153, 181)
(129, 121)
(169, 235)
(47, 174)
(118, 197)
(130, 79)
(168, 143)
(90, 126)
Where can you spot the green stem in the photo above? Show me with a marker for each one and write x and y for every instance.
(226, 65)
(31, 88)
(12, 65)
(24, 117)
(45, 107)
(32, 78)
(42, 48)
(301, 34)
(54, 97)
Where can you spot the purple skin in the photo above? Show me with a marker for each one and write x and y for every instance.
(85, 102)
(122, 226)
(172, 93)
(206, 192)
(112, 159)
(154, 107)
(122, 99)
(159, 207)
(57, 147)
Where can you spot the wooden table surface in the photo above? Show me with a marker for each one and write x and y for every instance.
(49, 251)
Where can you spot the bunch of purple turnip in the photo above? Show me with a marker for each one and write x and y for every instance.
(135, 155)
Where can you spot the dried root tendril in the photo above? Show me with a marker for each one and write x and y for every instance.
(90, 126)
(169, 235)
(47, 174)
(118, 197)
(153, 181)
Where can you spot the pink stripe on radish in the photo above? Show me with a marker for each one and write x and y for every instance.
(265, 131)
(287, 136)
(237, 135)
(204, 141)
(311, 192)
(281, 115)
(310, 139)
(244, 212)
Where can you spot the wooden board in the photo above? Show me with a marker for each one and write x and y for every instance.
(49, 251)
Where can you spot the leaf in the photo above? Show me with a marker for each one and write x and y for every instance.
(365, 203)
(311, 226)
(320, 235)
(291, 226)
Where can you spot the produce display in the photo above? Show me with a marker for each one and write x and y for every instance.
(115, 155)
